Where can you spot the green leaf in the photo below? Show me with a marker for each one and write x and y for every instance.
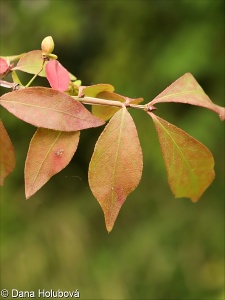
(49, 152)
(187, 90)
(189, 164)
(32, 62)
(48, 108)
(7, 154)
(116, 165)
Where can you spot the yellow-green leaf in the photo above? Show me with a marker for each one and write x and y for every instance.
(189, 164)
(95, 89)
(106, 112)
(116, 165)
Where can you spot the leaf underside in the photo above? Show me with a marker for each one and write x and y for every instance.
(116, 165)
(49, 152)
(189, 164)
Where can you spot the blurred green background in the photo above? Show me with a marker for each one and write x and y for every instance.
(160, 247)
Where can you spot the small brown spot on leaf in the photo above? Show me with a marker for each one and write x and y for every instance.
(59, 152)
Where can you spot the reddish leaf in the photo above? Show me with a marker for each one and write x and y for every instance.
(48, 108)
(50, 151)
(3, 66)
(32, 62)
(189, 164)
(116, 165)
(57, 76)
(7, 155)
(187, 90)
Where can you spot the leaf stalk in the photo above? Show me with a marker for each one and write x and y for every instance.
(99, 101)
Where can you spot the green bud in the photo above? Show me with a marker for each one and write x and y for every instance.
(47, 45)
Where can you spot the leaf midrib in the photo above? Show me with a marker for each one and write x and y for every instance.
(117, 156)
(43, 107)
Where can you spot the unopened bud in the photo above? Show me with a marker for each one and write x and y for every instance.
(47, 45)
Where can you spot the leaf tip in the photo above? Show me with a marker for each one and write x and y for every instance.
(194, 199)
(28, 195)
(109, 228)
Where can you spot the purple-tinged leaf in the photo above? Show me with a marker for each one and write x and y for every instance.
(187, 90)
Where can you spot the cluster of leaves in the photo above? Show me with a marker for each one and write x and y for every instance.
(116, 165)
